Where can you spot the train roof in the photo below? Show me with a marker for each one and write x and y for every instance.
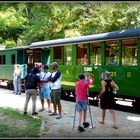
(15, 48)
(130, 33)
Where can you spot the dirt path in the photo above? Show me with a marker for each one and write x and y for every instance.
(128, 123)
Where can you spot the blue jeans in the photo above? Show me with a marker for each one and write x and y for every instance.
(17, 85)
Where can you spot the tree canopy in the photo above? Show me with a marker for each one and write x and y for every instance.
(22, 23)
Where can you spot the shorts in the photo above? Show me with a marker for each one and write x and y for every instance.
(81, 105)
(55, 96)
(45, 93)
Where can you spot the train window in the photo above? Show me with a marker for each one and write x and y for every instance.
(111, 53)
(13, 59)
(129, 52)
(2, 59)
(58, 55)
(37, 56)
(82, 54)
(95, 54)
(30, 58)
(67, 55)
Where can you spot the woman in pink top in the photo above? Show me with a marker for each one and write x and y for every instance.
(82, 101)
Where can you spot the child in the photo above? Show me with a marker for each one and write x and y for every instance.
(82, 101)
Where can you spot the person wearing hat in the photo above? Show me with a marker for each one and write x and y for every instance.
(55, 80)
(31, 83)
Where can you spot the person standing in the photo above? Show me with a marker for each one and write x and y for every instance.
(45, 88)
(55, 80)
(31, 83)
(17, 79)
(82, 101)
(14, 79)
(106, 97)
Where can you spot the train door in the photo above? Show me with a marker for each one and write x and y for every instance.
(37, 56)
(33, 57)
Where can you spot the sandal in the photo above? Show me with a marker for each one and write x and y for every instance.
(101, 122)
(58, 117)
(53, 114)
(41, 110)
(114, 126)
(49, 111)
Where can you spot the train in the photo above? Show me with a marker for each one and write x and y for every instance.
(19, 55)
(116, 52)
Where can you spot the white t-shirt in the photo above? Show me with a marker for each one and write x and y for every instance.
(57, 83)
(44, 76)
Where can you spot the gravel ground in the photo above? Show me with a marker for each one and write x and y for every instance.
(128, 123)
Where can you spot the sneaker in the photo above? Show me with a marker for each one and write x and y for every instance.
(101, 122)
(58, 117)
(80, 129)
(34, 113)
(25, 113)
(86, 124)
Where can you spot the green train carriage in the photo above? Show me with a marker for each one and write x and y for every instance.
(19, 55)
(91, 54)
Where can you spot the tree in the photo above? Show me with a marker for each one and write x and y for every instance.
(12, 22)
(25, 23)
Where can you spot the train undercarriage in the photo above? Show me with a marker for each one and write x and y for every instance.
(69, 95)
(93, 100)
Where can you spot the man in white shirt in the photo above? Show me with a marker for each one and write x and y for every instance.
(55, 80)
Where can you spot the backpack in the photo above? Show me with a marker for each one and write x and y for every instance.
(30, 81)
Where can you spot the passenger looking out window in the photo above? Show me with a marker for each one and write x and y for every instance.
(112, 60)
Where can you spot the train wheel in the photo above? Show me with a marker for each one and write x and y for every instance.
(64, 95)
(136, 104)
(10, 85)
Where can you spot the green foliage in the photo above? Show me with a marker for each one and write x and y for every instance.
(30, 22)
(12, 22)
(10, 43)
(1, 40)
